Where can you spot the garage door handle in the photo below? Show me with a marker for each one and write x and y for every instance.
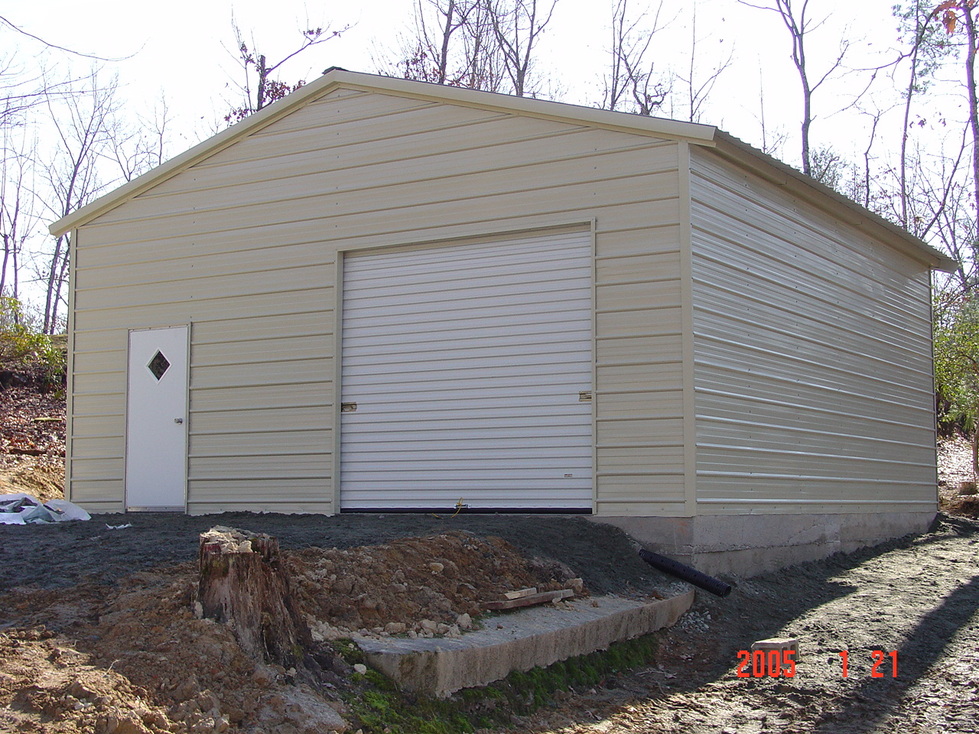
(178, 420)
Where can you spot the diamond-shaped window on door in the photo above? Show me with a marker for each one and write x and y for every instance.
(158, 365)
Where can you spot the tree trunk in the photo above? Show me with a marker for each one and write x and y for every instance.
(970, 84)
(975, 454)
(244, 584)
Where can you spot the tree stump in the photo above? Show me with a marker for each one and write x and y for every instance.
(243, 584)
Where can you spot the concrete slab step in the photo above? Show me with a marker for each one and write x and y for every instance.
(518, 640)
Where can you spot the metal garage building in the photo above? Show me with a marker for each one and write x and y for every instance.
(379, 294)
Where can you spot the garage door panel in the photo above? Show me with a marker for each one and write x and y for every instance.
(474, 350)
(493, 333)
(467, 366)
(465, 378)
(395, 308)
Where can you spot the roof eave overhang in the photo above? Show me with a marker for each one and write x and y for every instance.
(828, 199)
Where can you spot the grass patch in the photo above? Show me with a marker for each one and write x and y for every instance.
(379, 706)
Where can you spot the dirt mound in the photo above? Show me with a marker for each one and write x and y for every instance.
(49, 686)
(136, 659)
(32, 428)
(963, 505)
(44, 481)
(954, 468)
(397, 587)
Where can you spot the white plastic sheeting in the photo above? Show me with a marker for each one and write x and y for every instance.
(25, 509)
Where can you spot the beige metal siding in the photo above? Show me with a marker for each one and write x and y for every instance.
(812, 357)
(244, 246)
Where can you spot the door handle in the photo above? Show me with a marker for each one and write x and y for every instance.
(178, 420)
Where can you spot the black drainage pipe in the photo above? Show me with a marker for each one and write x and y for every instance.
(675, 568)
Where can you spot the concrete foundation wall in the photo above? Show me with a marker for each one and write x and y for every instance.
(746, 545)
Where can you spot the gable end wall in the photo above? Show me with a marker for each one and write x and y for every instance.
(246, 247)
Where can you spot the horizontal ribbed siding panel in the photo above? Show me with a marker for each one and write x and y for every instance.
(100, 495)
(465, 363)
(247, 491)
(444, 171)
(632, 377)
(802, 364)
(98, 469)
(310, 371)
(257, 397)
(260, 442)
(269, 503)
(405, 208)
(663, 321)
(94, 447)
(725, 431)
(812, 357)
(627, 236)
(308, 325)
(729, 276)
(169, 308)
(806, 462)
(802, 490)
(653, 349)
(622, 488)
(646, 460)
(99, 361)
(268, 419)
(640, 432)
(632, 507)
(259, 467)
(146, 272)
(99, 425)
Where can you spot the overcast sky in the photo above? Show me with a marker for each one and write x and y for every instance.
(183, 50)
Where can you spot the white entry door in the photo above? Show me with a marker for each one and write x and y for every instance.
(156, 422)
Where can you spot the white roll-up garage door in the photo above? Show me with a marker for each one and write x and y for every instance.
(466, 376)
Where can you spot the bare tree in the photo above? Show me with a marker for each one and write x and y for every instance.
(21, 90)
(827, 166)
(433, 55)
(772, 141)
(794, 15)
(137, 147)
(862, 191)
(255, 64)
(928, 47)
(16, 28)
(699, 89)
(453, 44)
(952, 13)
(517, 27)
(485, 67)
(630, 74)
(945, 212)
(81, 124)
(18, 211)
(479, 44)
